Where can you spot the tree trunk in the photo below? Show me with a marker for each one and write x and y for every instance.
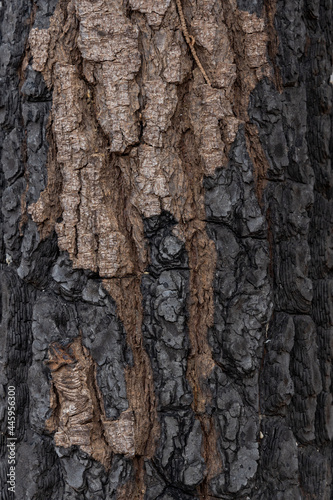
(166, 276)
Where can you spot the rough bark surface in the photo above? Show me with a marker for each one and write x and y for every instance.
(166, 250)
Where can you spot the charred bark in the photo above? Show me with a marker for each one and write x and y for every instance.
(166, 251)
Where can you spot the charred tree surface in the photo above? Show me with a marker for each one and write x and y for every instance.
(166, 251)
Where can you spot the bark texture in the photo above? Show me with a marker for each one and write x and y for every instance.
(166, 250)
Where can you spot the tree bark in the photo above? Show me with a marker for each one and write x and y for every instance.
(166, 252)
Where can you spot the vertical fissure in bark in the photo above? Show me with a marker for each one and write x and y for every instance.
(202, 261)
(139, 380)
(273, 42)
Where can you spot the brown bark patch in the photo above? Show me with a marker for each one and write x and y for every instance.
(134, 488)
(139, 378)
(78, 416)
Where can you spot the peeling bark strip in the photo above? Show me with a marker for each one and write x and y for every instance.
(78, 412)
(134, 132)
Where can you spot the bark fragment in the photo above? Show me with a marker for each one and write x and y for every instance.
(78, 414)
